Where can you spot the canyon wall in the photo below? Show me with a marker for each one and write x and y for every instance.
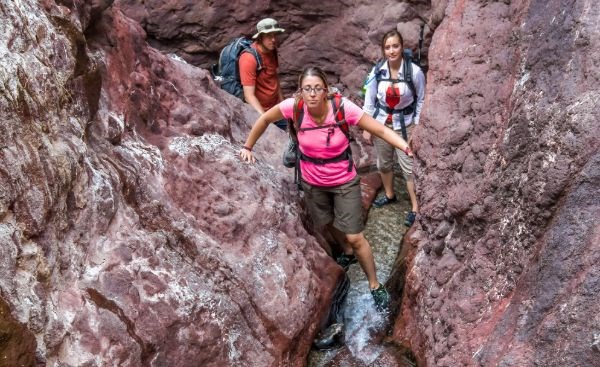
(502, 266)
(131, 233)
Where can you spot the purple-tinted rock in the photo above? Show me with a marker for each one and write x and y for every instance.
(508, 155)
(124, 238)
(131, 231)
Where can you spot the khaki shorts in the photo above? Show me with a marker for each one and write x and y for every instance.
(387, 154)
(341, 205)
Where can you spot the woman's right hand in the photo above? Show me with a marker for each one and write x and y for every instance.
(247, 155)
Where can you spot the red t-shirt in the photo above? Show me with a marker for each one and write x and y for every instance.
(266, 83)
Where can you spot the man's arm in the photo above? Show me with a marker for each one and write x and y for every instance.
(251, 99)
(247, 65)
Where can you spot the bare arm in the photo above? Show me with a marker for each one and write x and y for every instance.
(259, 127)
(369, 124)
(251, 99)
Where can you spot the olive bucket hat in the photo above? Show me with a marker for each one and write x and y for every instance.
(267, 25)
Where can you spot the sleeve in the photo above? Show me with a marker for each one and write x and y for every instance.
(370, 93)
(247, 65)
(352, 112)
(287, 108)
(419, 79)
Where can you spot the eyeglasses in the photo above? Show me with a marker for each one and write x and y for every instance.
(309, 90)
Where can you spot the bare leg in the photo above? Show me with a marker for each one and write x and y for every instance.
(410, 187)
(362, 251)
(387, 179)
(340, 238)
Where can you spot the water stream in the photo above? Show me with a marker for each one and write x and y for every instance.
(365, 328)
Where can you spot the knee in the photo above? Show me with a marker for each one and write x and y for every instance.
(356, 240)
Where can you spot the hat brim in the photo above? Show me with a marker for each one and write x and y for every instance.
(278, 30)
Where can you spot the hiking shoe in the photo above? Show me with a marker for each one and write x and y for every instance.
(332, 337)
(381, 298)
(384, 200)
(410, 219)
(346, 260)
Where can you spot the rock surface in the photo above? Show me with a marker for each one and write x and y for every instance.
(502, 267)
(131, 233)
(342, 37)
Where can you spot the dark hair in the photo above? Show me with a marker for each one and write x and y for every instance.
(313, 71)
(390, 34)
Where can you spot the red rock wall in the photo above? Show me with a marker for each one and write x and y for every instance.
(131, 233)
(342, 37)
(503, 271)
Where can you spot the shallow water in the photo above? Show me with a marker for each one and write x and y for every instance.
(364, 326)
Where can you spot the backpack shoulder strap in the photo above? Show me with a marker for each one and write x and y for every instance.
(251, 50)
(377, 70)
(407, 71)
(337, 104)
(378, 73)
(297, 117)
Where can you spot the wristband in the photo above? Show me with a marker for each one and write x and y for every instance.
(248, 149)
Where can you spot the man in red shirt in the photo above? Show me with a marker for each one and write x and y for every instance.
(261, 87)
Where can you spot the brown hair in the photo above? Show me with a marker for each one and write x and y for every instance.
(390, 34)
(313, 71)
(319, 73)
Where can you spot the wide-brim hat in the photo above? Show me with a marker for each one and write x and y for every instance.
(267, 25)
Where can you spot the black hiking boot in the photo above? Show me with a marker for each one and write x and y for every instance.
(346, 260)
(381, 298)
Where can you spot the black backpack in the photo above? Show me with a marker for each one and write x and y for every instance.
(407, 55)
(227, 73)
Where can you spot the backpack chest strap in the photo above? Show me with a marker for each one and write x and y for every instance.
(336, 124)
(346, 155)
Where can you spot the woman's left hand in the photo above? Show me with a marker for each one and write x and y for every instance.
(367, 136)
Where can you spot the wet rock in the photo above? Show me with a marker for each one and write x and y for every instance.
(332, 337)
(596, 342)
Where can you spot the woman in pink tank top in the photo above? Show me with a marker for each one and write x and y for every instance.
(328, 177)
